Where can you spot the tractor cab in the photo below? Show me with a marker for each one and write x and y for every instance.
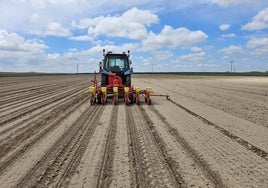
(115, 65)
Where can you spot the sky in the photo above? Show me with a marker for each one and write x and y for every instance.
(57, 36)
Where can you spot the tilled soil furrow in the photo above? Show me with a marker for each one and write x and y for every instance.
(158, 140)
(10, 97)
(224, 88)
(58, 158)
(240, 105)
(235, 164)
(88, 170)
(205, 177)
(123, 172)
(234, 137)
(68, 171)
(22, 123)
(32, 96)
(14, 173)
(148, 156)
(255, 134)
(23, 142)
(25, 110)
(20, 87)
(105, 174)
(138, 174)
(27, 103)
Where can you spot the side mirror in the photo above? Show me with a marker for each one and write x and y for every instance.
(100, 67)
(130, 62)
(131, 70)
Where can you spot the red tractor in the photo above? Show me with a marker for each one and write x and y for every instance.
(116, 81)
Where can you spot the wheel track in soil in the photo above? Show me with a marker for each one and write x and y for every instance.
(123, 172)
(9, 157)
(62, 158)
(134, 157)
(151, 164)
(225, 132)
(209, 173)
(25, 110)
(249, 146)
(105, 173)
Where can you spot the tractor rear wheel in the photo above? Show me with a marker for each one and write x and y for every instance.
(132, 98)
(128, 81)
(99, 98)
(103, 80)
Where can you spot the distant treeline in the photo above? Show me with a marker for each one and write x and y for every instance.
(253, 73)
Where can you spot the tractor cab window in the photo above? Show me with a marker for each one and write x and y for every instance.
(116, 63)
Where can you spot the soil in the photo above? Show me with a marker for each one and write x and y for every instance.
(213, 132)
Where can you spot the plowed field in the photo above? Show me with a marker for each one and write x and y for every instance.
(212, 133)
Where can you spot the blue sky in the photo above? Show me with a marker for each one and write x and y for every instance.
(163, 35)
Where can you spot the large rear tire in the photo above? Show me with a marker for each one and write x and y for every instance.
(132, 98)
(99, 98)
(104, 80)
(128, 81)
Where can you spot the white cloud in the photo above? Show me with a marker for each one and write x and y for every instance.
(230, 35)
(256, 42)
(115, 48)
(35, 17)
(224, 27)
(259, 22)
(131, 24)
(161, 55)
(172, 38)
(81, 38)
(192, 57)
(53, 56)
(41, 4)
(56, 29)
(12, 42)
(52, 29)
(260, 52)
(18, 53)
(259, 45)
(195, 49)
(227, 3)
(232, 50)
